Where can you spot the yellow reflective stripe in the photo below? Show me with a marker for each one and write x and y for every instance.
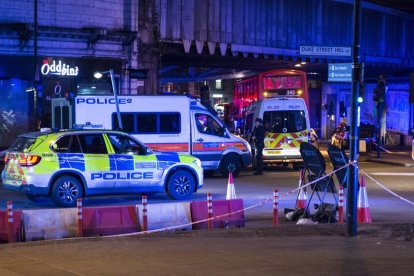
(96, 162)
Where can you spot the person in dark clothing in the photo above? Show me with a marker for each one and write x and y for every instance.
(258, 136)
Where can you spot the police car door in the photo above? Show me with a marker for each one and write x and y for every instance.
(136, 170)
(99, 173)
(208, 140)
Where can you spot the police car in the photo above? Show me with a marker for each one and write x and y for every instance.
(68, 165)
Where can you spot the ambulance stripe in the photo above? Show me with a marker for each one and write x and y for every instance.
(71, 160)
(124, 162)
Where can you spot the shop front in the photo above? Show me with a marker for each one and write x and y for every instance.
(26, 90)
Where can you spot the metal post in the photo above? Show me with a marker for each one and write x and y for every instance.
(144, 213)
(80, 217)
(118, 114)
(379, 137)
(275, 207)
(351, 220)
(35, 80)
(209, 211)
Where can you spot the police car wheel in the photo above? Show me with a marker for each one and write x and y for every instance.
(181, 185)
(229, 164)
(66, 190)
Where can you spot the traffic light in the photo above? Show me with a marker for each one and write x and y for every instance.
(379, 91)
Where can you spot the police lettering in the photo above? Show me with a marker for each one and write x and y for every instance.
(122, 175)
(102, 101)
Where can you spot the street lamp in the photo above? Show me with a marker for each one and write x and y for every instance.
(99, 75)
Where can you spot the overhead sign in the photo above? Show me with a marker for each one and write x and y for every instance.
(324, 51)
(340, 72)
(140, 74)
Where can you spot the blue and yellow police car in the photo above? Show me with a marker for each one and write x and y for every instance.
(67, 165)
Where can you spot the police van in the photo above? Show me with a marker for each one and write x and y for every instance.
(286, 124)
(164, 123)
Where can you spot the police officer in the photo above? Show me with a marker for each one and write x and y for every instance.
(258, 139)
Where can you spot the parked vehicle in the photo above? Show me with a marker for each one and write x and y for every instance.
(286, 123)
(165, 123)
(67, 165)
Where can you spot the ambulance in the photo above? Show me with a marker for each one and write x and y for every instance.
(164, 123)
(286, 123)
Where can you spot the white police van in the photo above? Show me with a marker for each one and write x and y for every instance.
(164, 123)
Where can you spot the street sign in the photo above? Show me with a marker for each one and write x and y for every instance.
(340, 72)
(140, 74)
(324, 51)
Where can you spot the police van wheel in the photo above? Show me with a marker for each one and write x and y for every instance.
(66, 190)
(181, 185)
(230, 164)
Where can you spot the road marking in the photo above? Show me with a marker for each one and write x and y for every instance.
(392, 174)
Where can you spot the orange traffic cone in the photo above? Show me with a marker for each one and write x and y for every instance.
(363, 213)
(302, 200)
(231, 191)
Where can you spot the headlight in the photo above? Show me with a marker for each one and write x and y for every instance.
(197, 162)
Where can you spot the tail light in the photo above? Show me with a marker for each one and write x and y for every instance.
(6, 159)
(30, 160)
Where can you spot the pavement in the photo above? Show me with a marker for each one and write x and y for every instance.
(396, 155)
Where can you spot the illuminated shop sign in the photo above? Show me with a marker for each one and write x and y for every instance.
(58, 68)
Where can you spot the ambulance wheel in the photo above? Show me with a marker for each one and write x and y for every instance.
(66, 190)
(181, 185)
(229, 164)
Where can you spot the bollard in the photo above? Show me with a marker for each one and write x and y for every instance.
(10, 236)
(210, 211)
(341, 205)
(144, 213)
(80, 217)
(275, 207)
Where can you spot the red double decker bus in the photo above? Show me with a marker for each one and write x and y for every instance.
(279, 82)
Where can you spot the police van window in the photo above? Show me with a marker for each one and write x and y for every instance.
(169, 122)
(92, 143)
(125, 145)
(285, 121)
(127, 120)
(297, 120)
(207, 125)
(146, 123)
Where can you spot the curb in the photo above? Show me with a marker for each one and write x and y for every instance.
(394, 163)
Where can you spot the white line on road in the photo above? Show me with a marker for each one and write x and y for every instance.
(392, 174)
